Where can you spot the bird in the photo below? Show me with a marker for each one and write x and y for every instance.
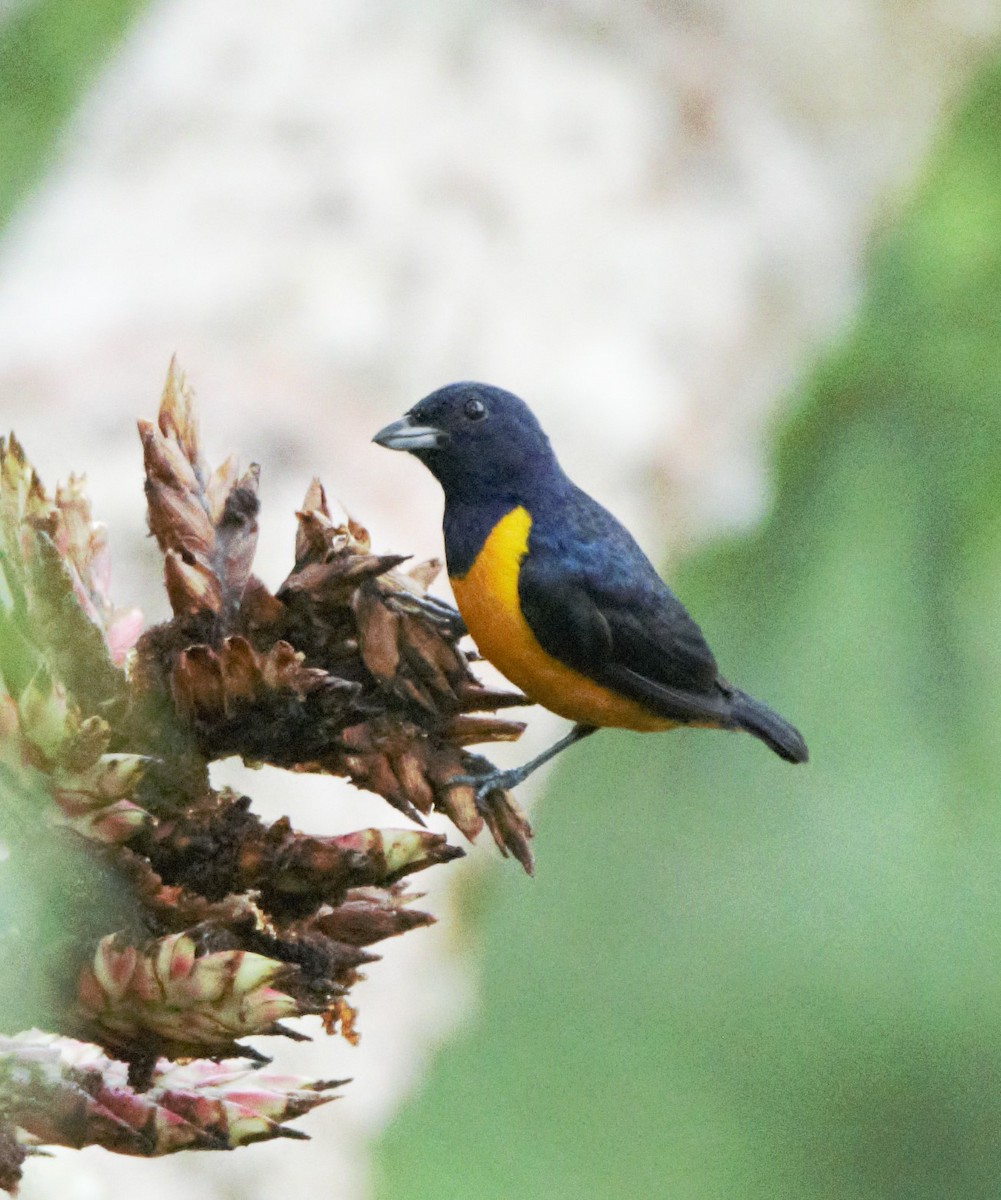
(556, 593)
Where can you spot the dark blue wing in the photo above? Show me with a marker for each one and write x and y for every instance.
(595, 602)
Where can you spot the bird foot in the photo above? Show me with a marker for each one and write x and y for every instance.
(484, 786)
(438, 612)
(491, 780)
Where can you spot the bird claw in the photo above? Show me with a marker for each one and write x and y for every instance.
(484, 786)
(438, 612)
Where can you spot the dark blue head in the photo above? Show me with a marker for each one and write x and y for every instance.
(478, 441)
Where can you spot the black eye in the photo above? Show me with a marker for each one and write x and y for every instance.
(475, 410)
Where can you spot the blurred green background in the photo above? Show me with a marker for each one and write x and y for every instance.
(50, 50)
(733, 978)
(730, 977)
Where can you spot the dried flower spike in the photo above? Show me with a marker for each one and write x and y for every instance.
(156, 916)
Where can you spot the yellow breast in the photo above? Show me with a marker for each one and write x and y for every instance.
(487, 596)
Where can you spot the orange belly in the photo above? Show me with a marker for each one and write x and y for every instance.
(487, 596)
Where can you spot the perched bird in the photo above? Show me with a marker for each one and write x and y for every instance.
(556, 593)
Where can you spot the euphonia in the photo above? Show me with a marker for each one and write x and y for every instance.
(556, 593)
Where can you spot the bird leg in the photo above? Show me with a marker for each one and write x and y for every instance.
(496, 780)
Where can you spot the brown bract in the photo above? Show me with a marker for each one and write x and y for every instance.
(159, 920)
(74, 1095)
(348, 668)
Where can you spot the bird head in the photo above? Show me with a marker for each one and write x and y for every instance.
(477, 440)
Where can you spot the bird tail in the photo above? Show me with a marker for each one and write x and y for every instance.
(776, 733)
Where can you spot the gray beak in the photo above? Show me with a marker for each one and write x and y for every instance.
(405, 435)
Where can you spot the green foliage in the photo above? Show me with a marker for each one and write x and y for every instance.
(49, 52)
(736, 978)
(55, 898)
